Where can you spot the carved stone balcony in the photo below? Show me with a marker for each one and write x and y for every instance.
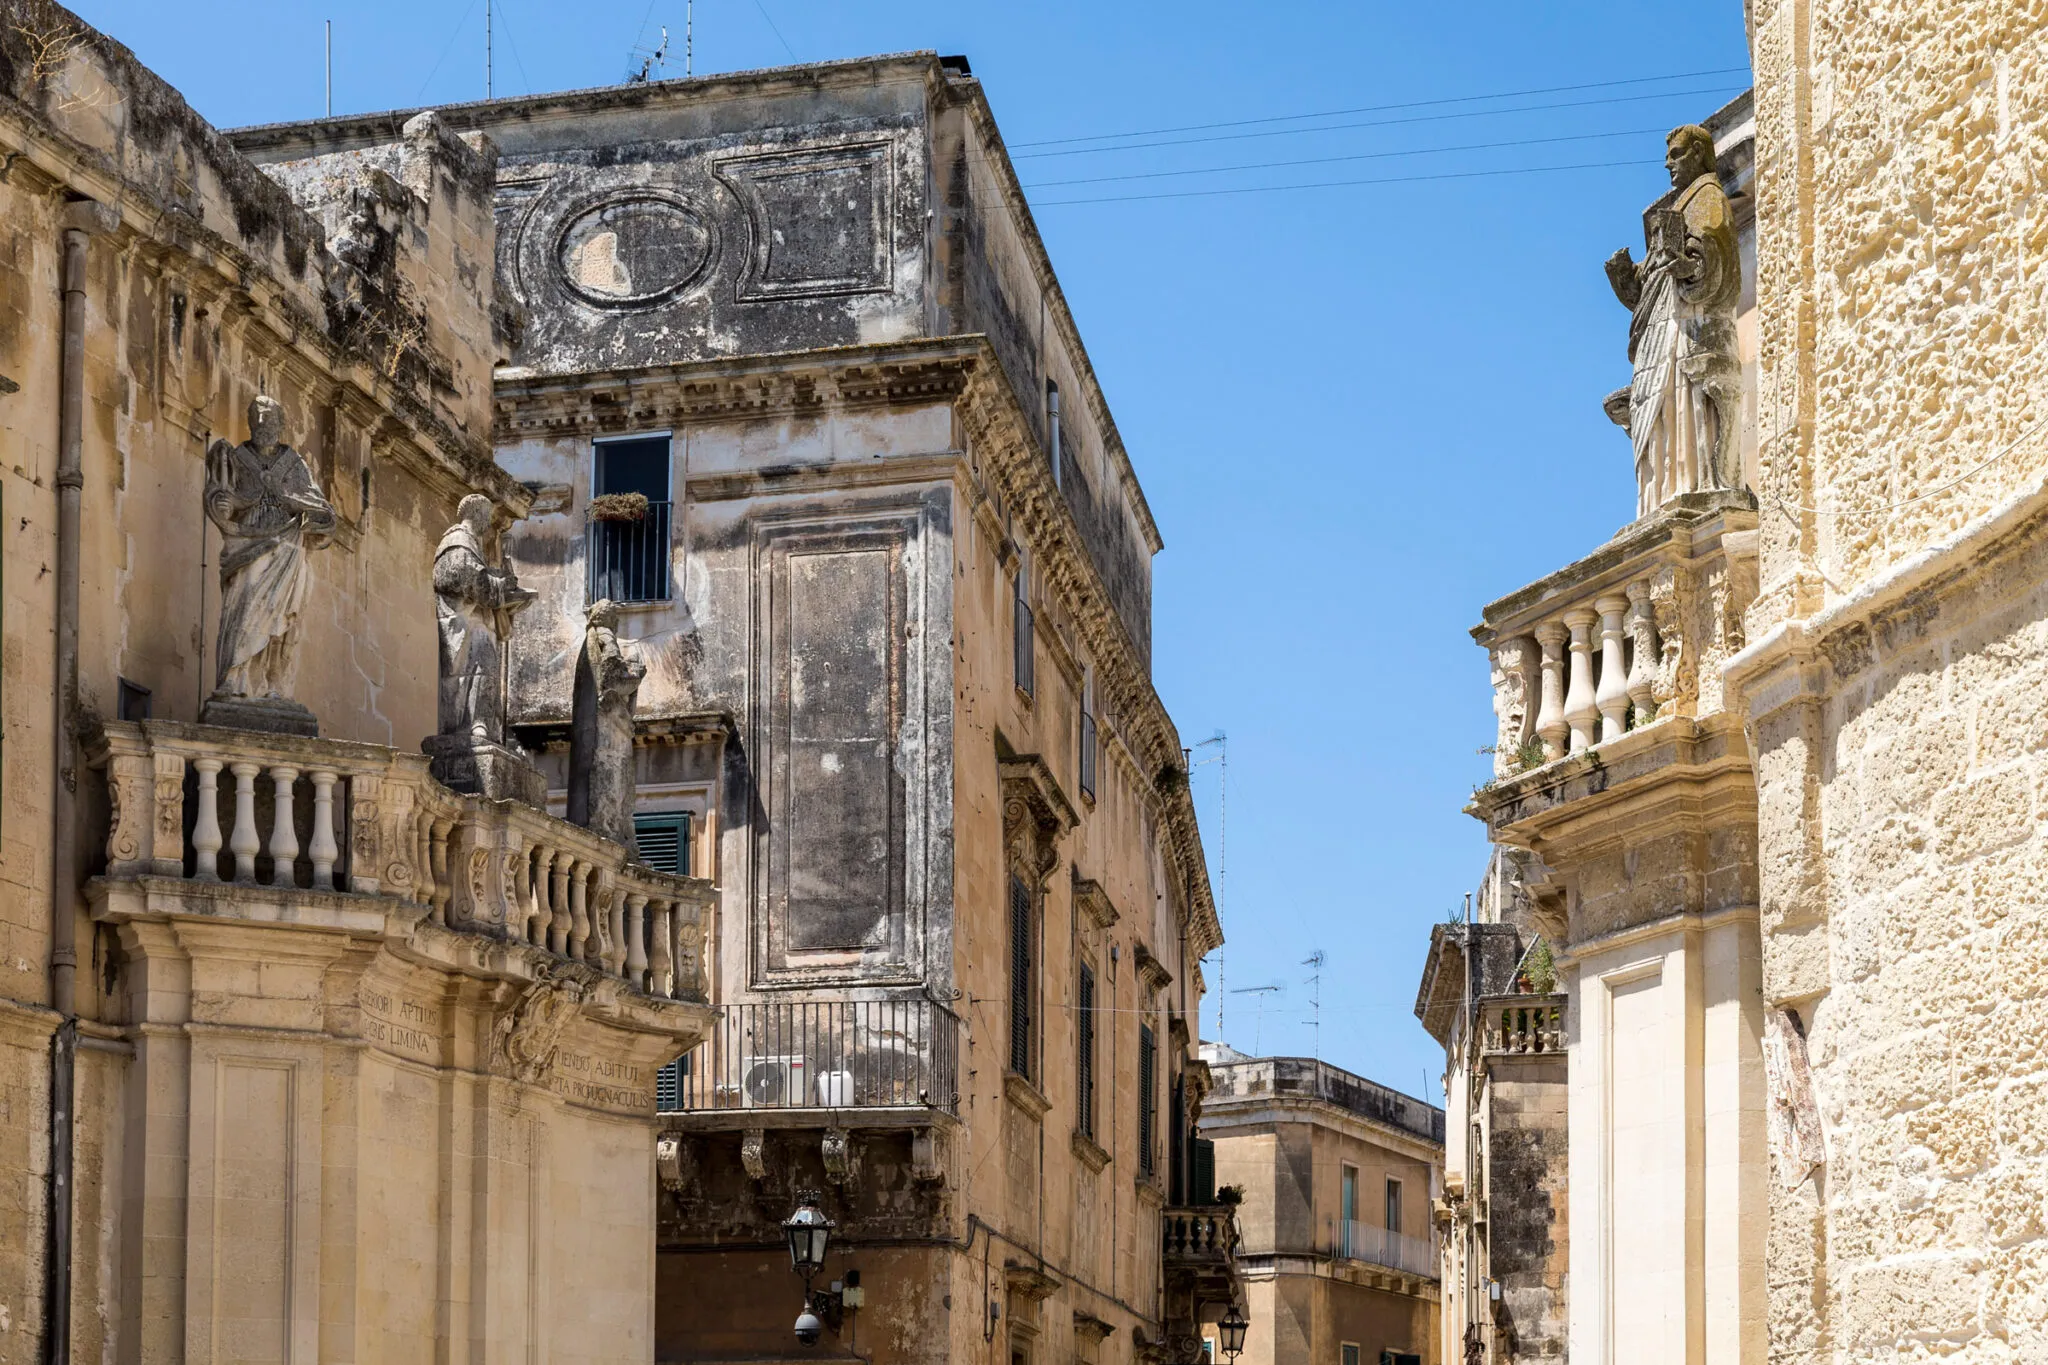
(1523, 1025)
(357, 837)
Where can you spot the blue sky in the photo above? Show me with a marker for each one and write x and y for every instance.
(1360, 412)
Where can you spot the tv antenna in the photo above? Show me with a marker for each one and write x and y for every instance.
(1222, 760)
(1314, 961)
(653, 58)
(1259, 1019)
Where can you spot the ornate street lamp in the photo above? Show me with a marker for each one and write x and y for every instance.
(808, 1230)
(1232, 1330)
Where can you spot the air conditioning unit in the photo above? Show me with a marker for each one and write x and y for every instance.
(773, 1083)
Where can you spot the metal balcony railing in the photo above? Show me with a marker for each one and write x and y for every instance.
(1376, 1245)
(821, 1054)
(629, 560)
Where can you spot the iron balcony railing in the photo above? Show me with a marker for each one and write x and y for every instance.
(821, 1054)
(1376, 1245)
(629, 560)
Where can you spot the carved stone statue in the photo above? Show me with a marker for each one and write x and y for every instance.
(601, 779)
(1682, 406)
(474, 603)
(271, 515)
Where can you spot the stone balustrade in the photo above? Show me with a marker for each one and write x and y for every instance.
(1630, 635)
(203, 805)
(1522, 1024)
(1199, 1232)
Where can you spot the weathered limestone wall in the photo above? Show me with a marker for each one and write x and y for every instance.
(1893, 689)
(1528, 1227)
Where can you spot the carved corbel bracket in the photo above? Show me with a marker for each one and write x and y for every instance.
(753, 1154)
(1036, 813)
(1094, 901)
(836, 1148)
(675, 1164)
(928, 1156)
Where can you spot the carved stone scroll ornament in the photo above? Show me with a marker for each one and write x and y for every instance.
(1513, 661)
(1793, 1119)
(474, 603)
(525, 1040)
(1676, 679)
(601, 779)
(1685, 395)
(271, 516)
(753, 1153)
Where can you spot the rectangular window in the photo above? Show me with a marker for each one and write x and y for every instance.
(1022, 988)
(628, 541)
(1022, 639)
(1348, 1353)
(132, 702)
(1052, 429)
(1088, 744)
(1148, 1049)
(1347, 1212)
(664, 840)
(1393, 1205)
(1084, 1048)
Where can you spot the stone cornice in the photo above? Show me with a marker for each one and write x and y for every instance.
(1002, 452)
(531, 405)
(1570, 954)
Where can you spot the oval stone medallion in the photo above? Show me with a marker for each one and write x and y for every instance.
(633, 252)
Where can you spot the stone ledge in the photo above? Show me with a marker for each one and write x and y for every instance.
(873, 1119)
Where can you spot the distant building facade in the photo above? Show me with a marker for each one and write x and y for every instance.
(1337, 1177)
(793, 385)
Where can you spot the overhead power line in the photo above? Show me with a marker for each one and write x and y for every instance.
(1379, 123)
(1383, 108)
(1334, 184)
(1352, 156)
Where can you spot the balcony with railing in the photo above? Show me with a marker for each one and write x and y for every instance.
(786, 1063)
(628, 557)
(1522, 1025)
(1375, 1245)
(236, 823)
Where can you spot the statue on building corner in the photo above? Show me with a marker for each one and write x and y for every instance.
(474, 603)
(271, 515)
(601, 769)
(1682, 405)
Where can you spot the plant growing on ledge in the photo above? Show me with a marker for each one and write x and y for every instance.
(1229, 1194)
(619, 507)
(1530, 755)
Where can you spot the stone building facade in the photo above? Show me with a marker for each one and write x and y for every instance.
(305, 1056)
(792, 382)
(1336, 1178)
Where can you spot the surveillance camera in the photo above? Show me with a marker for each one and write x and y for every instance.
(808, 1328)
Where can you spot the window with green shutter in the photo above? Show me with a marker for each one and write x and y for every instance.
(1084, 1047)
(664, 840)
(1023, 989)
(1148, 1048)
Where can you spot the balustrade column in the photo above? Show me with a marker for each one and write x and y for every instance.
(636, 941)
(323, 850)
(1581, 713)
(663, 962)
(206, 828)
(1612, 698)
(444, 889)
(1550, 723)
(284, 834)
(558, 898)
(615, 927)
(1642, 673)
(518, 909)
(579, 913)
(242, 842)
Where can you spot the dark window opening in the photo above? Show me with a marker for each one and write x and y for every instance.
(1052, 429)
(133, 703)
(1088, 746)
(1022, 987)
(1148, 1048)
(1085, 1048)
(1393, 1206)
(1023, 641)
(629, 546)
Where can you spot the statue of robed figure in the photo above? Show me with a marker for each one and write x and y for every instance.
(1683, 404)
(474, 603)
(601, 776)
(271, 516)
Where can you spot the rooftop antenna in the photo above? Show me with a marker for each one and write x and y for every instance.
(1259, 1019)
(330, 68)
(1222, 759)
(650, 59)
(1315, 961)
(487, 49)
(689, 36)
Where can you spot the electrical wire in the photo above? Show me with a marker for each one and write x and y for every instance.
(1383, 108)
(1933, 492)
(776, 31)
(505, 19)
(446, 48)
(1380, 123)
(1353, 156)
(1333, 184)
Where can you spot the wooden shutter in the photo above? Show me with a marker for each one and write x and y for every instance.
(1202, 1172)
(1147, 1109)
(664, 840)
(1021, 984)
(1086, 1047)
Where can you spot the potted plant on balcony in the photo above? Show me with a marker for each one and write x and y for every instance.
(619, 507)
(1232, 1195)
